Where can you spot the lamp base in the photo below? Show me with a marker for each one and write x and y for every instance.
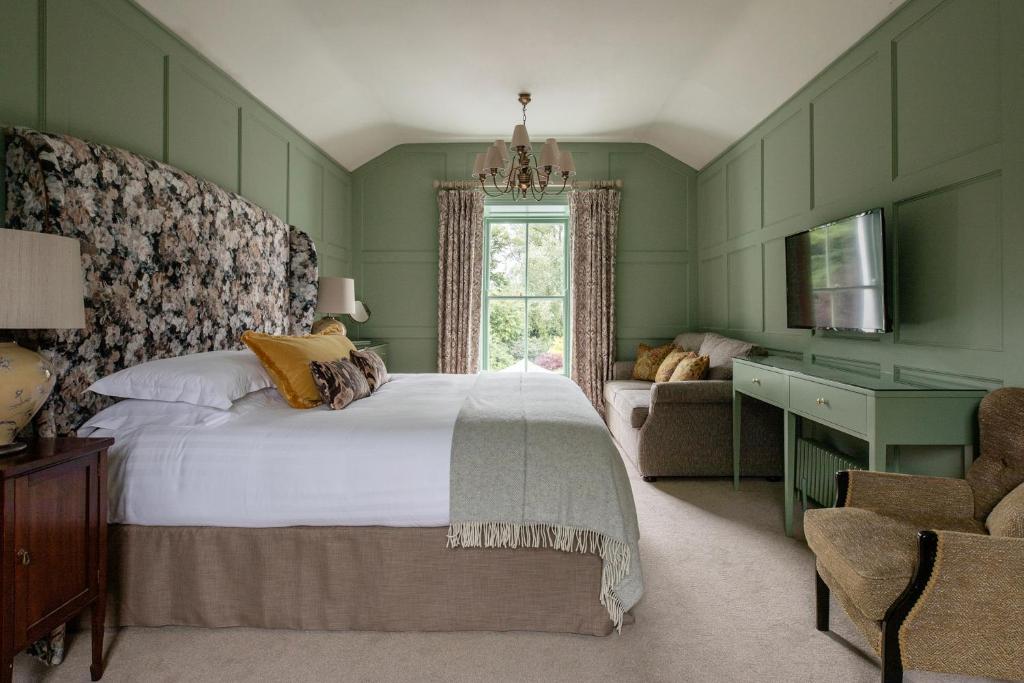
(324, 323)
(12, 448)
(25, 384)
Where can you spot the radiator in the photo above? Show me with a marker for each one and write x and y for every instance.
(816, 468)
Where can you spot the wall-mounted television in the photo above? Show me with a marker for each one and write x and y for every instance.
(835, 275)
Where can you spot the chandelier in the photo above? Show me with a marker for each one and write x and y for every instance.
(524, 174)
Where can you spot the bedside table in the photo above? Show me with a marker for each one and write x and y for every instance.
(379, 348)
(54, 536)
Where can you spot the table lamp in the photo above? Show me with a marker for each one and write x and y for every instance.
(40, 289)
(335, 295)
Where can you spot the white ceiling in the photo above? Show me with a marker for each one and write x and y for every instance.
(359, 77)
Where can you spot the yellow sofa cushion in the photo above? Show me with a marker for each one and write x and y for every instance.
(648, 360)
(287, 359)
(691, 368)
(674, 357)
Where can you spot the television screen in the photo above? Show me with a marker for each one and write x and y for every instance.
(835, 275)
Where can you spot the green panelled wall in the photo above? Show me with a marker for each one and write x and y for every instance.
(395, 238)
(925, 118)
(104, 70)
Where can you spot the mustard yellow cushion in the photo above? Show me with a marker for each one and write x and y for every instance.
(695, 367)
(648, 360)
(287, 360)
(671, 361)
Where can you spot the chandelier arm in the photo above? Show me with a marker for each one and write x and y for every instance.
(483, 186)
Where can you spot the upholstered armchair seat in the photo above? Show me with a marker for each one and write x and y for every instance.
(930, 569)
(872, 556)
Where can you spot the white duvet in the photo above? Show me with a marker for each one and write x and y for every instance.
(384, 460)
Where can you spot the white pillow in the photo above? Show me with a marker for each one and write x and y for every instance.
(134, 413)
(215, 379)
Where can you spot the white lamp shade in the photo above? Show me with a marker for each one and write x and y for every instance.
(478, 164)
(41, 286)
(493, 159)
(520, 138)
(503, 150)
(566, 163)
(336, 295)
(549, 153)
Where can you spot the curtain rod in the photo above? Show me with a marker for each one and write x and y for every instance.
(578, 184)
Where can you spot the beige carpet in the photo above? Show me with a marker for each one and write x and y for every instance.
(729, 598)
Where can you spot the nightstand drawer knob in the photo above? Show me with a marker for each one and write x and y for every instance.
(24, 556)
(755, 380)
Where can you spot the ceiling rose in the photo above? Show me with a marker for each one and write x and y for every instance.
(524, 174)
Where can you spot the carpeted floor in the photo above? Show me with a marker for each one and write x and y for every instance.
(729, 598)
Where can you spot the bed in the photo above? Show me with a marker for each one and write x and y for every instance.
(280, 518)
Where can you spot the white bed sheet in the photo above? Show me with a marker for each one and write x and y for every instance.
(384, 460)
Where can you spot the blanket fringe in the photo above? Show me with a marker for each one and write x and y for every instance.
(615, 554)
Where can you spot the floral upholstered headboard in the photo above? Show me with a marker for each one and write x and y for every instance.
(173, 264)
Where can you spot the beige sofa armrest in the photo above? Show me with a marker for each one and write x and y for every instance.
(623, 369)
(905, 495)
(967, 620)
(697, 391)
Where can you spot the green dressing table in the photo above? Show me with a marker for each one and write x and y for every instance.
(879, 410)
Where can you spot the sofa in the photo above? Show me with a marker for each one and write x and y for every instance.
(931, 570)
(684, 429)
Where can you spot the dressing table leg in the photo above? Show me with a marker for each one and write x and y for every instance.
(877, 456)
(789, 468)
(736, 431)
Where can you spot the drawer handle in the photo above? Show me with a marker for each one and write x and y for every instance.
(821, 401)
(23, 555)
(755, 380)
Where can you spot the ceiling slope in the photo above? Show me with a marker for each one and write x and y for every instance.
(359, 77)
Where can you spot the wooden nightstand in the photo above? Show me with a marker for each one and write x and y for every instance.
(54, 559)
(379, 348)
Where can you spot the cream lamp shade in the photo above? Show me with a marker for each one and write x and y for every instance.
(40, 288)
(335, 295)
(40, 281)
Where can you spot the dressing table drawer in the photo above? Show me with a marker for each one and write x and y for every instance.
(762, 383)
(829, 404)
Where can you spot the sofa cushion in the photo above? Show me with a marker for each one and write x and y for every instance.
(668, 366)
(630, 398)
(635, 405)
(648, 360)
(721, 350)
(690, 341)
(871, 556)
(690, 369)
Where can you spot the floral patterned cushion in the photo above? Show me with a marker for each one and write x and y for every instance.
(671, 361)
(648, 360)
(339, 382)
(372, 366)
(692, 368)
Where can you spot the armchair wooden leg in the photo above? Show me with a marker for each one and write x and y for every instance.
(822, 594)
(892, 663)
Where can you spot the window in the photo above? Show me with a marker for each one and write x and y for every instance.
(526, 288)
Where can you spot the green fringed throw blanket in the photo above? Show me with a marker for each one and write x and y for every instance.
(533, 466)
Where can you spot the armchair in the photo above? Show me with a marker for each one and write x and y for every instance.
(929, 569)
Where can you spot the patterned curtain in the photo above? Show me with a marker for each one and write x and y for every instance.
(594, 216)
(459, 280)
